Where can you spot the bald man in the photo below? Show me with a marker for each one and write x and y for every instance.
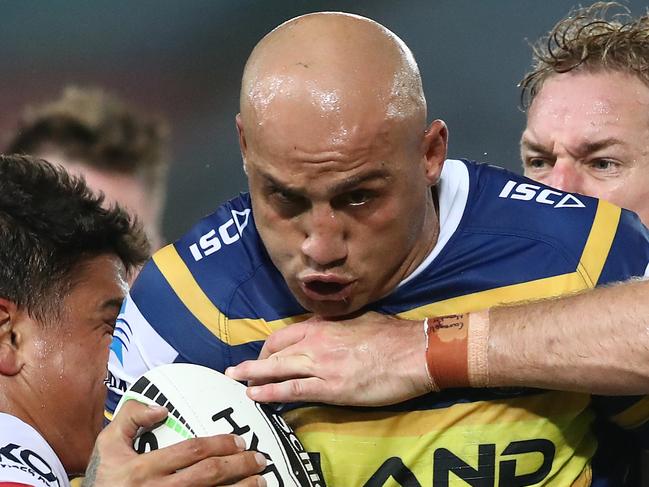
(585, 134)
(353, 208)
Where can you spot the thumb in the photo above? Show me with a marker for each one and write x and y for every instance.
(135, 415)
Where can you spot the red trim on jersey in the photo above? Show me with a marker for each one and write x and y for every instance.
(14, 484)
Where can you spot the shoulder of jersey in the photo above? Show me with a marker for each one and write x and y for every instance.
(227, 232)
(226, 240)
(25, 457)
(502, 201)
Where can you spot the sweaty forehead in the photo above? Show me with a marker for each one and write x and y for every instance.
(601, 97)
(330, 65)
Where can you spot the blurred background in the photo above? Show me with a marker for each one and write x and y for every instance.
(183, 59)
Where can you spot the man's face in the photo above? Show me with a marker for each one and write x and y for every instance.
(344, 210)
(70, 356)
(589, 133)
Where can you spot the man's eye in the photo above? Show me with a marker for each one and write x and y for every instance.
(286, 198)
(283, 196)
(603, 164)
(288, 204)
(536, 163)
(357, 198)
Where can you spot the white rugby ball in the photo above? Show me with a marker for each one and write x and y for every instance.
(203, 402)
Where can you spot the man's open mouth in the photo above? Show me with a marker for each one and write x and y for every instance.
(326, 289)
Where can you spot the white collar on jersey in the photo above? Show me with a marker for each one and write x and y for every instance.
(453, 192)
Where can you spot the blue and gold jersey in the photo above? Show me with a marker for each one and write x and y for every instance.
(213, 296)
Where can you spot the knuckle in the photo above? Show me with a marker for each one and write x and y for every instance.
(223, 444)
(269, 344)
(296, 388)
(215, 465)
(226, 468)
(196, 447)
(276, 359)
(103, 439)
(241, 369)
(140, 465)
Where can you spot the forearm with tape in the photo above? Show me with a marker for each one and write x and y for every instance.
(456, 350)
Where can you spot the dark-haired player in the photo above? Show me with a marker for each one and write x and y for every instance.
(63, 264)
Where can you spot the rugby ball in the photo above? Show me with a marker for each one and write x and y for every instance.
(203, 402)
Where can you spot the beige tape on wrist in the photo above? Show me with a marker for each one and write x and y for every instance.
(477, 348)
(456, 350)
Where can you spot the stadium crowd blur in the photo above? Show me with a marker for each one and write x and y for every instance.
(118, 149)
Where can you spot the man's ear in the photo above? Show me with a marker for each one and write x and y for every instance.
(243, 145)
(10, 316)
(434, 150)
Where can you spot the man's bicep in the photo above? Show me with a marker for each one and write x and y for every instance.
(135, 349)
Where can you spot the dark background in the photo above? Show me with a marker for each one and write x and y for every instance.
(184, 58)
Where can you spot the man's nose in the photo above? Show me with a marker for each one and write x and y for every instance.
(325, 242)
(565, 176)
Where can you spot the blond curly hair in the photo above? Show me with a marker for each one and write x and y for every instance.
(603, 36)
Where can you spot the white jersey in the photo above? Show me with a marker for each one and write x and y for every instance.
(25, 457)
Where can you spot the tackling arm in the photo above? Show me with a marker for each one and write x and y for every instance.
(596, 342)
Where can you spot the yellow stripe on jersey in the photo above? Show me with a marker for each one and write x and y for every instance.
(236, 324)
(531, 290)
(108, 415)
(599, 241)
(232, 332)
(187, 289)
(349, 422)
(587, 274)
(634, 416)
(353, 444)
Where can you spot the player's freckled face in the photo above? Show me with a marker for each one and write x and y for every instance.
(344, 215)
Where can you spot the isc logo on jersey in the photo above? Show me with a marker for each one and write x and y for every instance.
(545, 196)
(226, 234)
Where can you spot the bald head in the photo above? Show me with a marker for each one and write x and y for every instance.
(339, 161)
(338, 68)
